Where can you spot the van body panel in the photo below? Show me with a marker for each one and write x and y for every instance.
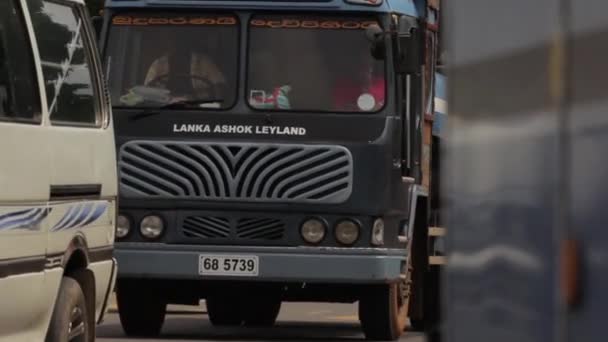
(58, 181)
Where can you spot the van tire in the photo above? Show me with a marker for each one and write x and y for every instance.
(383, 312)
(70, 315)
(224, 309)
(141, 309)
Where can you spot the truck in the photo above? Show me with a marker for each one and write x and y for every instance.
(525, 253)
(275, 151)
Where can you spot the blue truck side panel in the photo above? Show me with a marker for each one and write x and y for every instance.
(503, 173)
(441, 113)
(587, 126)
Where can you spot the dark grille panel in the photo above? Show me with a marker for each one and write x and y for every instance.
(215, 227)
(239, 172)
(206, 227)
(260, 229)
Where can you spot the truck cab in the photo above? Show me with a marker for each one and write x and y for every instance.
(272, 151)
(58, 198)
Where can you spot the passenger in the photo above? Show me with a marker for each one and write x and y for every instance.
(362, 91)
(202, 80)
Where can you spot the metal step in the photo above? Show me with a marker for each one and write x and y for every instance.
(437, 231)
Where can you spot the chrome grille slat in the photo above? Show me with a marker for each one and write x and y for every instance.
(154, 156)
(318, 168)
(247, 172)
(302, 164)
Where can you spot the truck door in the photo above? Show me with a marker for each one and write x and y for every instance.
(504, 172)
(24, 179)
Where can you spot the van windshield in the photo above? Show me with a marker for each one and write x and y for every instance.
(303, 63)
(154, 60)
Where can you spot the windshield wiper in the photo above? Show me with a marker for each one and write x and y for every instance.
(174, 105)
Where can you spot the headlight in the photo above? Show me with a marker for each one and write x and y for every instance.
(313, 231)
(151, 227)
(347, 232)
(378, 232)
(123, 226)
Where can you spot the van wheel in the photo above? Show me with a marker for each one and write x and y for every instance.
(383, 311)
(70, 320)
(141, 309)
(262, 311)
(224, 309)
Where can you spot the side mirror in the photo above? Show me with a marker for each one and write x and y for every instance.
(408, 54)
(375, 35)
(97, 25)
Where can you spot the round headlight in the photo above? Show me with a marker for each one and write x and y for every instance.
(378, 232)
(151, 227)
(313, 230)
(347, 232)
(123, 226)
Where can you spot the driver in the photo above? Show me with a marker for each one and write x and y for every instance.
(185, 73)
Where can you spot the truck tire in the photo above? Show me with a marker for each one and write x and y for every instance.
(224, 309)
(70, 321)
(431, 306)
(262, 311)
(141, 310)
(417, 324)
(383, 311)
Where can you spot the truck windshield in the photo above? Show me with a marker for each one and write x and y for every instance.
(313, 64)
(154, 60)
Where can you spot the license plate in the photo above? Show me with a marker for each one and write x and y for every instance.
(228, 265)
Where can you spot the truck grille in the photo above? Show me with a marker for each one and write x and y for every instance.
(206, 227)
(236, 172)
(260, 229)
(213, 227)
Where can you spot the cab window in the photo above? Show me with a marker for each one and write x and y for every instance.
(155, 59)
(310, 63)
(19, 97)
(66, 63)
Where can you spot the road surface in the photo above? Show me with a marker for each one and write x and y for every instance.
(299, 322)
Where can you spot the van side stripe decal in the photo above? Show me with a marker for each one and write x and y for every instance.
(77, 215)
(81, 215)
(100, 210)
(65, 217)
(30, 220)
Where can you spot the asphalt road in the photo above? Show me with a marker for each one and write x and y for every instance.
(299, 322)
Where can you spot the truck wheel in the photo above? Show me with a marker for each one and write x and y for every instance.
(383, 311)
(70, 320)
(224, 310)
(417, 324)
(431, 307)
(262, 311)
(141, 310)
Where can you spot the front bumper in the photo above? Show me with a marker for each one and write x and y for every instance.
(277, 264)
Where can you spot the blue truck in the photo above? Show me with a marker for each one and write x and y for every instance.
(276, 151)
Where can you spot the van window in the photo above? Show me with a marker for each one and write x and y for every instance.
(19, 97)
(70, 92)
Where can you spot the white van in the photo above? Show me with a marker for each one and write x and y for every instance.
(57, 174)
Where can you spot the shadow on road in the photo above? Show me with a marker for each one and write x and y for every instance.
(195, 327)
